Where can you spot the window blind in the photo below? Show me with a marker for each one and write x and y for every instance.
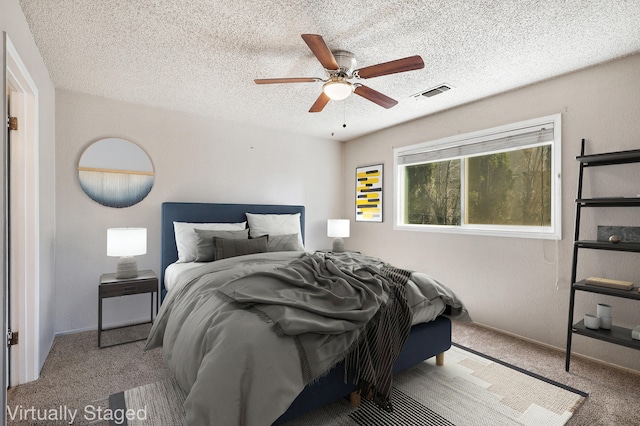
(504, 141)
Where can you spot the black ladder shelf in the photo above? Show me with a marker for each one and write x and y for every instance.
(616, 335)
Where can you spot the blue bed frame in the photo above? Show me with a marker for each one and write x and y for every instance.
(209, 213)
(425, 340)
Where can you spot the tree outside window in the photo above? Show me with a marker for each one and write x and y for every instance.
(503, 181)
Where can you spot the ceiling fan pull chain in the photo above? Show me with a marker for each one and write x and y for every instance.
(344, 115)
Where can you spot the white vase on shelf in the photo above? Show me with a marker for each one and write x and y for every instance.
(605, 313)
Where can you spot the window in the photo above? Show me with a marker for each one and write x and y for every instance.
(502, 181)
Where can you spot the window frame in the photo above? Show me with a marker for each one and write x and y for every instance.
(554, 231)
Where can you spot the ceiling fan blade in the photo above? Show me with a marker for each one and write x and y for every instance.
(286, 80)
(320, 103)
(375, 96)
(399, 65)
(319, 48)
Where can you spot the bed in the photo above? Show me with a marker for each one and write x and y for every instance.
(425, 340)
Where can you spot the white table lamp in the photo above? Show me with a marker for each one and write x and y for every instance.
(126, 243)
(338, 229)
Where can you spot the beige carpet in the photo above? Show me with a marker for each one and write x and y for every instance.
(469, 390)
(78, 374)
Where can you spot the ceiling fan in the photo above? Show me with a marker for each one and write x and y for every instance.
(340, 68)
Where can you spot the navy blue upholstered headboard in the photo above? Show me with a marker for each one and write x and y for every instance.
(209, 213)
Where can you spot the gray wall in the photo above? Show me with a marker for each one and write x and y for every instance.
(517, 285)
(195, 159)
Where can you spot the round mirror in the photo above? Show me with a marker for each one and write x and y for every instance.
(115, 172)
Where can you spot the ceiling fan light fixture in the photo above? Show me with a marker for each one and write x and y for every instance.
(339, 67)
(337, 89)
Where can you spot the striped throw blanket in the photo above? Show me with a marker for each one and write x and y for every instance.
(370, 363)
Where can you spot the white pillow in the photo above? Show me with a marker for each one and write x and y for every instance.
(275, 224)
(186, 238)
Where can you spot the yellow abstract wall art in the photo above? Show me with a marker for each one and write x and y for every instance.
(369, 193)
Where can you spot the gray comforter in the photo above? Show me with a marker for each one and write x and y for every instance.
(244, 335)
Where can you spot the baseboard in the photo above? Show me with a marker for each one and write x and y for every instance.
(559, 350)
(104, 326)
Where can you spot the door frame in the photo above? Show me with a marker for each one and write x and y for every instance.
(24, 212)
(3, 254)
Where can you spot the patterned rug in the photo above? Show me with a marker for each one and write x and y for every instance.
(470, 389)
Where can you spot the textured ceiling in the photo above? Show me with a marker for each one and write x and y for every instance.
(202, 56)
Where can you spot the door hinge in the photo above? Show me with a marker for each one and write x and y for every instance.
(13, 123)
(12, 338)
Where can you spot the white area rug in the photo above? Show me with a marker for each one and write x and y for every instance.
(470, 389)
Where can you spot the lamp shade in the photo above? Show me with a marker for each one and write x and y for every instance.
(338, 228)
(337, 89)
(126, 241)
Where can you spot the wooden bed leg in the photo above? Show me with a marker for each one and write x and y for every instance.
(354, 397)
(440, 359)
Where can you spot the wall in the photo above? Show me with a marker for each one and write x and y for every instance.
(522, 285)
(14, 23)
(195, 159)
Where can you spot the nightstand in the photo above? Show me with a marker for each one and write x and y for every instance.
(110, 286)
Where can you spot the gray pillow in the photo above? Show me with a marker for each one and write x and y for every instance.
(204, 242)
(283, 242)
(229, 248)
